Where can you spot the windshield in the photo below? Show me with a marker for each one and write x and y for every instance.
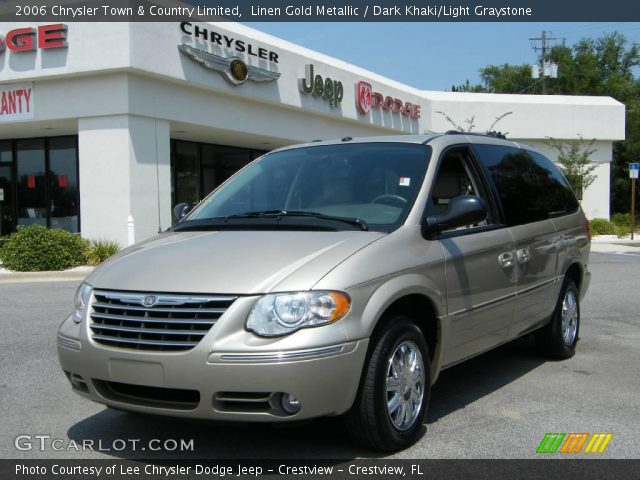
(375, 183)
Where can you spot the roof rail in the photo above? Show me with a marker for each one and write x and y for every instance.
(477, 134)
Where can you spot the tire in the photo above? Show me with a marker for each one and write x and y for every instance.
(371, 422)
(558, 338)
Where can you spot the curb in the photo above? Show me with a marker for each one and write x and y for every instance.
(26, 277)
(614, 248)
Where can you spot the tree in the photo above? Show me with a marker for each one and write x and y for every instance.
(601, 66)
(470, 122)
(507, 79)
(575, 162)
(467, 87)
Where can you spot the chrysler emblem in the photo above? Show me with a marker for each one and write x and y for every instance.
(365, 93)
(232, 68)
(150, 301)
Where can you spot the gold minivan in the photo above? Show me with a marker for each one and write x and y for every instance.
(336, 278)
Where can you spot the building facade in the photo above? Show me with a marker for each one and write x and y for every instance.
(105, 126)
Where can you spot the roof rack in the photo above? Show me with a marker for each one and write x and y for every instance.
(477, 134)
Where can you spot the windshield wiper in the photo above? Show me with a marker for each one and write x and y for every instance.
(298, 213)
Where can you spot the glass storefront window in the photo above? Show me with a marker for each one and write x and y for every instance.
(6, 188)
(39, 183)
(198, 168)
(63, 184)
(186, 173)
(31, 179)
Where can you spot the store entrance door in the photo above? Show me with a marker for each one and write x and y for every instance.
(7, 219)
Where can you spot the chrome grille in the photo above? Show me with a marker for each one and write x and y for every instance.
(146, 321)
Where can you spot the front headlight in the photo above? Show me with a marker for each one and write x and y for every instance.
(283, 313)
(81, 302)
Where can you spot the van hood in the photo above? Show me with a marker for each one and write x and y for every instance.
(229, 262)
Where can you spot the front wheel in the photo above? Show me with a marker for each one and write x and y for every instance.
(391, 404)
(558, 339)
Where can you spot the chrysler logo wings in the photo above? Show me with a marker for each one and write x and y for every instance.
(232, 68)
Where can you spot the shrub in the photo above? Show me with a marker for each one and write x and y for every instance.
(100, 250)
(2, 242)
(622, 220)
(37, 248)
(602, 226)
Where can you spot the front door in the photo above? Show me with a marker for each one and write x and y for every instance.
(480, 275)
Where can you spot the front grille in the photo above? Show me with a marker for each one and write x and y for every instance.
(145, 321)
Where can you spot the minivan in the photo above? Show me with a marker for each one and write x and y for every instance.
(336, 278)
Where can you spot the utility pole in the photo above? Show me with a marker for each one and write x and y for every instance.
(543, 49)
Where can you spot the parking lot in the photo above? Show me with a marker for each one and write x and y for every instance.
(499, 405)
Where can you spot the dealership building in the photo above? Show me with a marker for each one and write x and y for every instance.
(105, 126)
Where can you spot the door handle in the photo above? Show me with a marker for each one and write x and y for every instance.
(506, 259)
(523, 255)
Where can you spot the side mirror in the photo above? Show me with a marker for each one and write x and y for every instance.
(180, 211)
(463, 210)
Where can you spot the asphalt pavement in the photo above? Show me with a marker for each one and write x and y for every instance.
(498, 405)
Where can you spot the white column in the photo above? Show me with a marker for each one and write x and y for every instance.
(595, 199)
(124, 171)
(150, 181)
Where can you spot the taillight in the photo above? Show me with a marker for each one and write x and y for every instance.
(588, 230)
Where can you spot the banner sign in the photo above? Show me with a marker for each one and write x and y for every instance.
(16, 102)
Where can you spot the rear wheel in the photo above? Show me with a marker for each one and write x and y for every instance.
(391, 404)
(558, 339)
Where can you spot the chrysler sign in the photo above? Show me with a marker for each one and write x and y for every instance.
(230, 56)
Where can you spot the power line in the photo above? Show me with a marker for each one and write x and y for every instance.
(588, 27)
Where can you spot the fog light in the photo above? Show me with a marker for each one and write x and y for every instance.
(290, 404)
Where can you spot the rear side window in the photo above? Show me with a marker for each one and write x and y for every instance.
(554, 188)
(517, 184)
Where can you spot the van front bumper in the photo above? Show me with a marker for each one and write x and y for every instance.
(199, 383)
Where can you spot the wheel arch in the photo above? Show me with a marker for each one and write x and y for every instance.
(575, 272)
(414, 296)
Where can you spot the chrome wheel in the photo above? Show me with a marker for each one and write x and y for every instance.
(405, 385)
(570, 317)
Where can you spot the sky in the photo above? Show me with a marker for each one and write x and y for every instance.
(435, 56)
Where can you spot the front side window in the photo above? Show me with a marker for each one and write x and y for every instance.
(376, 183)
(457, 176)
